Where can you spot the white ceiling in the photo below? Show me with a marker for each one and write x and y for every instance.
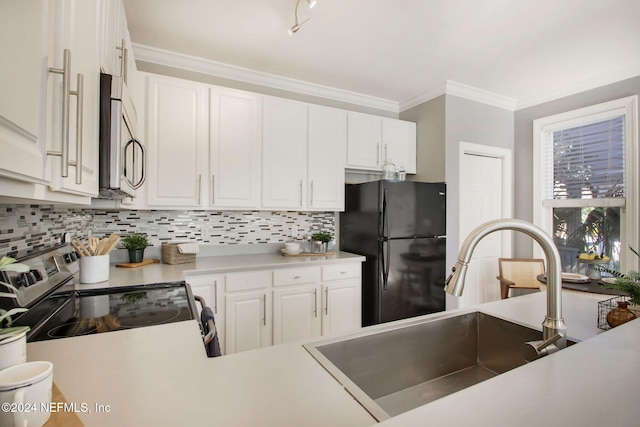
(402, 51)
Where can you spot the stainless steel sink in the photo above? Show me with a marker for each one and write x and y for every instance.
(390, 371)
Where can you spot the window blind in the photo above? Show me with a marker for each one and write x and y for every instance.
(588, 160)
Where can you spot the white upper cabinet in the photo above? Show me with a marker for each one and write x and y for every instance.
(373, 140)
(177, 139)
(326, 158)
(203, 144)
(49, 109)
(399, 144)
(284, 139)
(364, 141)
(235, 148)
(23, 40)
(77, 26)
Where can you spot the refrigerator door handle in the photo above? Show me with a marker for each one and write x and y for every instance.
(385, 220)
(386, 254)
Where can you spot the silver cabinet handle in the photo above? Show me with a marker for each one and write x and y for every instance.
(79, 93)
(200, 189)
(386, 153)
(64, 130)
(315, 302)
(326, 301)
(124, 59)
(311, 193)
(378, 154)
(300, 192)
(264, 310)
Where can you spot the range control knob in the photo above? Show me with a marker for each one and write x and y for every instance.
(28, 279)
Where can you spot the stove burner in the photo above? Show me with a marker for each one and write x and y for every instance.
(148, 318)
(75, 328)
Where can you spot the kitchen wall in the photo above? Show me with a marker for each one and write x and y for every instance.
(28, 228)
(430, 136)
(523, 178)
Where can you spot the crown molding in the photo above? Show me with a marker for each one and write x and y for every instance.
(205, 66)
(624, 73)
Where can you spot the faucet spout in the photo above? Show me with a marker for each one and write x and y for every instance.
(553, 323)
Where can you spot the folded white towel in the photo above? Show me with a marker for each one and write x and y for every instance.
(188, 248)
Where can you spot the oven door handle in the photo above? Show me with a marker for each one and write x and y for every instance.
(211, 326)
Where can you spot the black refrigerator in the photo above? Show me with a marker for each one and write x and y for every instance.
(400, 227)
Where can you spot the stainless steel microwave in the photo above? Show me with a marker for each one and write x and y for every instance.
(122, 158)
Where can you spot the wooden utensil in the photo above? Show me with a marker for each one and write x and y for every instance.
(83, 248)
(93, 244)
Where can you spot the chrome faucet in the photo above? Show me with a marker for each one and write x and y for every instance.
(553, 328)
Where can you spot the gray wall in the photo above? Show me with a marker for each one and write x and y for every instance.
(430, 136)
(523, 182)
(474, 122)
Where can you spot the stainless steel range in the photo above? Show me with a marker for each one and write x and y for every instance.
(60, 309)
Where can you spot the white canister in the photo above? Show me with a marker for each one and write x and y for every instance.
(94, 269)
(13, 350)
(26, 390)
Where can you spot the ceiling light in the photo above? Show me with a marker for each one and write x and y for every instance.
(296, 25)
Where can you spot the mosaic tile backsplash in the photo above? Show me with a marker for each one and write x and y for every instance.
(29, 228)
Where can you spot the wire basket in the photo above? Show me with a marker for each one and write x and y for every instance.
(604, 307)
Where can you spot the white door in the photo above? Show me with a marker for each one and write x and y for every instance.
(247, 324)
(23, 79)
(284, 156)
(296, 314)
(341, 308)
(485, 194)
(326, 157)
(235, 148)
(364, 135)
(177, 138)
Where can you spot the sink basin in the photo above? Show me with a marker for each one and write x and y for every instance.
(390, 371)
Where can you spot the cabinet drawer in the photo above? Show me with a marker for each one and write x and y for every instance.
(247, 281)
(341, 271)
(295, 276)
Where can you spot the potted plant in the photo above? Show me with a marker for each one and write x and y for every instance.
(13, 340)
(630, 284)
(135, 244)
(321, 241)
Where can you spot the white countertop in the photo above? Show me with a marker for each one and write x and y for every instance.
(158, 273)
(160, 376)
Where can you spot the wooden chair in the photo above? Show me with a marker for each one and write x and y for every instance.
(519, 273)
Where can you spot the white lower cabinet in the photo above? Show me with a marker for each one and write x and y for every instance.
(247, 311)
(255, 309)
(341, 298)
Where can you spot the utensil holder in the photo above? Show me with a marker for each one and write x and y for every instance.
(94, 269)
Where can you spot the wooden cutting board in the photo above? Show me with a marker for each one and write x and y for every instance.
(62, 418)
(138, 264)
(308, 254)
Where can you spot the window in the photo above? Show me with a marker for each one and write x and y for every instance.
(586, 182)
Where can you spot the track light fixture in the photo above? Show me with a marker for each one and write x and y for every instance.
(296, 24)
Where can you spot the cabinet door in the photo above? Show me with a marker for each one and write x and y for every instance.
(210, 288)
(23, 76)
(76, 25)
(235, 148)
(295, 313)
(177, 118)
(363, 141)
(248, 324)
(326, 157)
(399, 144)
(284, 167)
(341, 306)
(111, 37)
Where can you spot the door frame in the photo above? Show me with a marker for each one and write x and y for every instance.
(506, 156)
